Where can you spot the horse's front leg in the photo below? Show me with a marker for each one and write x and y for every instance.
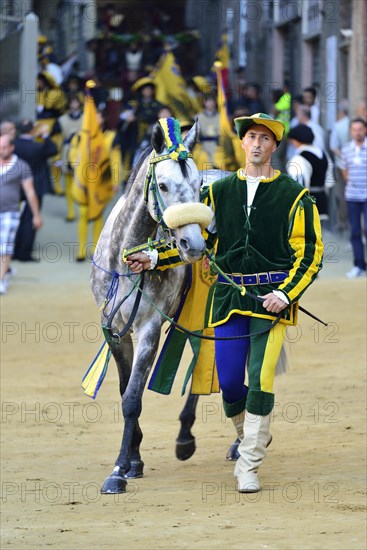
(145, 352)
(123, 354)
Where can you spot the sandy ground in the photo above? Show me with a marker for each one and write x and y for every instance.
(58, 445)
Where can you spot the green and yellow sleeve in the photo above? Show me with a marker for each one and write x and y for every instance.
(306, 248)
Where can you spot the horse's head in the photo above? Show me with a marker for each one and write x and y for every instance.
(175, 188)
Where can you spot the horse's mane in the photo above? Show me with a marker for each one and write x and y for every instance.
(141, 159)
(136, 169)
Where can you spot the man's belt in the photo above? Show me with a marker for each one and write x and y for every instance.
(265, 278)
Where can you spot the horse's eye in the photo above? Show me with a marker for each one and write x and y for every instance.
(163, 187)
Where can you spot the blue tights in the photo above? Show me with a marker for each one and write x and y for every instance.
(231, 355)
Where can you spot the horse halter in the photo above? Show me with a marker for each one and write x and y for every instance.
(151, 184)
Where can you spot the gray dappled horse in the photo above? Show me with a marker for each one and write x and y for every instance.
(132, 222)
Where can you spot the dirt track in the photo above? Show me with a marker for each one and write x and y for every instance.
(58, 445)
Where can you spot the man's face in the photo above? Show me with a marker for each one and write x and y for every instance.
(9, 128)
(6, 148)
(210, 104)
(75, 106)
(358, 131)
(259, 144)
(308, 98)
(148, 91)
(251, 92)
(40, 85)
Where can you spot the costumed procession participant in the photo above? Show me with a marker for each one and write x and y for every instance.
(15, 176)
(164, 112)
(197, 88)
(199, 155)
(70, 124)
(354, 169)
(138, 115)
(209, 130)
(267, 234)
(51, 103)
(94, 156)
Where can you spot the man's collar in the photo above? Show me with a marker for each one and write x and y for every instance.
(364, 144)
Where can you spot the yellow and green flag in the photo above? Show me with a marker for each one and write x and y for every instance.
(171, 86)
(89, 156)
(229, 155)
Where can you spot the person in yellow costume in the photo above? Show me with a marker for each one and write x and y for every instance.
(197, 88)
(96, 161)
(208, 119)
(200, 156)
(51, 103)
(70, 123)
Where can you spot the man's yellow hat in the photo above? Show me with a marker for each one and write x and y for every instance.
(49, 78)
(145, 81)
(243, 123)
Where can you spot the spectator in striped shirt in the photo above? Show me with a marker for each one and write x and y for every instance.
(354, 169)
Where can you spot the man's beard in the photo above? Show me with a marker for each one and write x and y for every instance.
(257, 160)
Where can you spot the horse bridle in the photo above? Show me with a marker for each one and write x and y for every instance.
(151, 184)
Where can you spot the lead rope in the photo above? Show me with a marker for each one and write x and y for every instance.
(201, 336)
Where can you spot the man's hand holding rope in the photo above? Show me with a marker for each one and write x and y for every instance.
(138, 262)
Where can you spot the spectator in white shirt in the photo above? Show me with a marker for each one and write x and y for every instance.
(304, 117)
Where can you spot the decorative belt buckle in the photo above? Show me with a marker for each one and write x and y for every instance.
(238, 276)
(264, 278)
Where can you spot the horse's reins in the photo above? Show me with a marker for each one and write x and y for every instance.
(107, 328)
(117, 336)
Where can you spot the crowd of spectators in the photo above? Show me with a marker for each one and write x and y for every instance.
(126, 60)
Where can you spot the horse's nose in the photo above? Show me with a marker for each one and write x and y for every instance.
(192, 247)
(184, 245)
(187, 244)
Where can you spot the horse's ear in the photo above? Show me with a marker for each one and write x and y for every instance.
(192, 137)
(158, 138)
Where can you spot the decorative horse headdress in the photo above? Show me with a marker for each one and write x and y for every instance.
(173, 139)
(180, 214)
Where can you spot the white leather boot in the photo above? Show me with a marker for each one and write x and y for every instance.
(252, 451)
(238, 421)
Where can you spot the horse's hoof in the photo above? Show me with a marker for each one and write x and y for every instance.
(136, 470)
(185, 449)
(113, 485)
(233, 453)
